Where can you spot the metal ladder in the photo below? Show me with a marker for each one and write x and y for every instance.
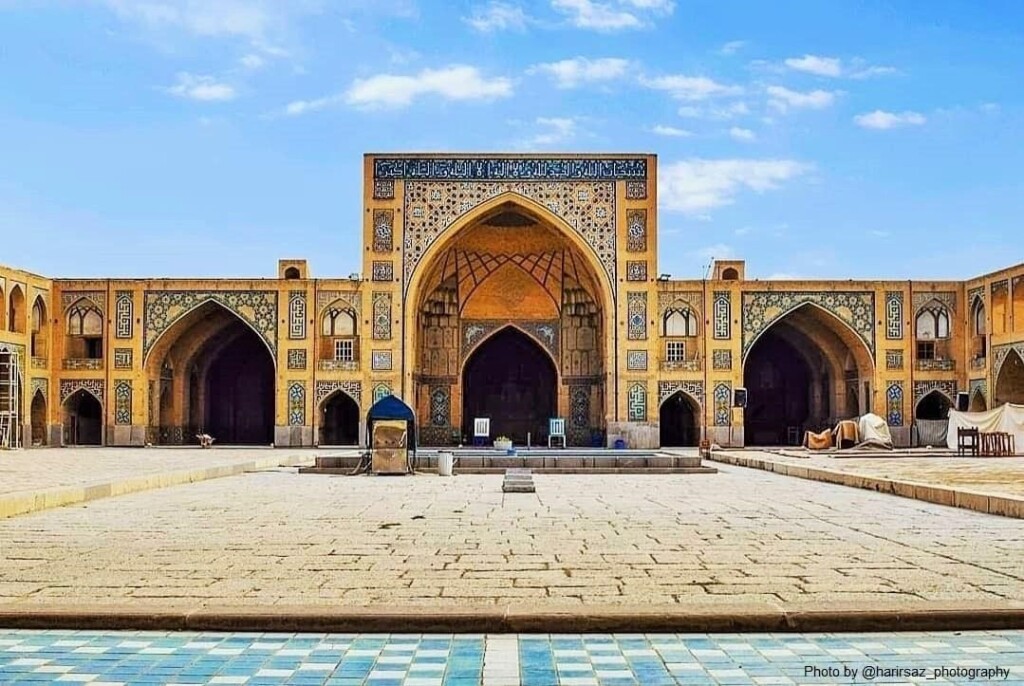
(10, 410)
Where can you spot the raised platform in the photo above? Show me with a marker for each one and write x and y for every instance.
(540, 460)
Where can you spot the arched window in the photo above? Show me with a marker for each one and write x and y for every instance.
(680, 322)
(932, 323)
(16, 313)
(39, 328)
(339, 322)
(730, 274)
(3, 309)
(85, 331)
(978, 318)
(291, 273)
(338, 328)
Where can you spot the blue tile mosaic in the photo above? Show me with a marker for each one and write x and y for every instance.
(149, 658)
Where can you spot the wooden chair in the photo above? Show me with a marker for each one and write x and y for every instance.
(968, 440)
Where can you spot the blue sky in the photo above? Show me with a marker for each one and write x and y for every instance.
(814, 139)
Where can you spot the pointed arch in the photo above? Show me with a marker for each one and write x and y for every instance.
(933, 405)
(184, 320)
(468, 353)
(40, 335)
(16, 309)
(420, 273)
(978, 402)
(1009, 384)
(849, 335)
(679, 420)
(339, 418)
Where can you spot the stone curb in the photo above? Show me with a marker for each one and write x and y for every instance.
(942, 495)
(26, 502)
(754, 617)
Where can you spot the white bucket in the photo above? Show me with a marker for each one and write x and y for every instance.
(445, 463)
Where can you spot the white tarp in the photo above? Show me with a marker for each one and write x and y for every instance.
(874, 432)
(1007, 419)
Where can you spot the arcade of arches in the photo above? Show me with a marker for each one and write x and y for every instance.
(211, 373)
(510, 328)
(804, 373)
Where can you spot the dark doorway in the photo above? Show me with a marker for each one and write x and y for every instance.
(38, 419)
(510, 379)
(339, 423)
(934, 406)
(240, 392)
(83, 419)
(678, 421)
(1010, 384)
(778, 382)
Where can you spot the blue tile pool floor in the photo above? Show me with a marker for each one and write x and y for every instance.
(105, 658)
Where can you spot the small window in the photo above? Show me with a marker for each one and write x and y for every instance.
(926, 350)
(94, 348)
(344, 351)
(932, 323)
(339, 322)
(291, 273)
(675, 351)
(730, 274)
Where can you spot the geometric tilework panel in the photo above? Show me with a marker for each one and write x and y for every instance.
(546, 333)
(353, 389)
(636, 234)
(123, 358)
(440, 405)
(636, 360)
(922, 388)
(723, 315)
(164, 308)
(431, 207)
(381, 390)
(123, 402)
(296, 358)
(637, 316)
(894, 315)
(762, 308)
(694, 389)
(894, 403)
(721, 360)
(41, 386)
(124, 312)
(723, 403)
(297, 404)
(383, 229)
(382, 316)
(637, 399)
(894, 359)
(297, 315)
(68, 387)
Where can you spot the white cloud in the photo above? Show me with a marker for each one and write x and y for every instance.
(692, 88)
(497, 16)
(745, 135)
(203, 88)
(554, 131)
(814, 64)
(783, 276)
(880, 119)
(880, 234)
(732, 47)
(455, 82)
(783, 98)
(730, 111)
(579, 70)
(298, 107)
(834, 67)
(694, 186)
(670, 131)
(252, 61)
(599, 15)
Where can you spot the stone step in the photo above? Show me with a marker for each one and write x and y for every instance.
(518, 481)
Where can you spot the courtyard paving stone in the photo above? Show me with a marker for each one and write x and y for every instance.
(986, 484)
(280, 539)
(32, 480)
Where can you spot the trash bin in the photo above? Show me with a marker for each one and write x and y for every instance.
(445, 463)
(620, 444)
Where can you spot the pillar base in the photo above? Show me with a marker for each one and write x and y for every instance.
(293, 436)
(124, 435)
(637, 435)
(726, 436)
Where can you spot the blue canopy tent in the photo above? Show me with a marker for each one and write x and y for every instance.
(391, 409)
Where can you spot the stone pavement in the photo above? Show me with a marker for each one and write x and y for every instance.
(282, 539)
(32, 480)
(985, 484)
